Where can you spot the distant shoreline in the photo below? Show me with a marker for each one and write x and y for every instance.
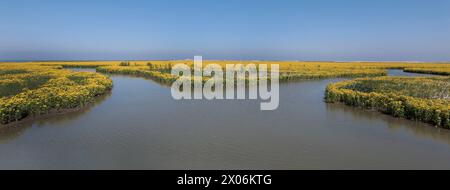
(27, 61)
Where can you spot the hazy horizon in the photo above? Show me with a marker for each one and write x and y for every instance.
(349, 30)
(100, 60)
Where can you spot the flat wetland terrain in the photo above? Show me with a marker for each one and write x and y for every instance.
(331, 115)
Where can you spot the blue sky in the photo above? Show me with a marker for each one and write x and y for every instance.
(375, 30)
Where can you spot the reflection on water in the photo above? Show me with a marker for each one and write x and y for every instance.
(395, 124)
(59, 119)
(83, 70)
(140, 126)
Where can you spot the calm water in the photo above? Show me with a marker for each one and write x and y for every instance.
(140, 126)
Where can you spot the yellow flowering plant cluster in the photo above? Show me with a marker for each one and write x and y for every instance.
(289, 70)
(160, 71)
(425, 99)
(36, 90)
(435, 71)
(39, 87)
(140, 71)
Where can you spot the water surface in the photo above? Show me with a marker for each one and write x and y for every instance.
(140, 126)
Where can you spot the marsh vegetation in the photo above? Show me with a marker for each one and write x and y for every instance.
(36, 88)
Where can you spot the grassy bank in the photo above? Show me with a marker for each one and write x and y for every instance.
(423, 99)
(434, 71)
(289, 70)
(139, 71)
(34, 90)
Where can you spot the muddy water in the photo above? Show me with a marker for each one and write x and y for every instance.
(140, 126)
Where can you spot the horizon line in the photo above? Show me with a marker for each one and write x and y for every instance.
(277, 60)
